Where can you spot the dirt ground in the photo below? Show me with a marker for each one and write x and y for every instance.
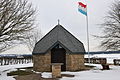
(36, 76)
(33, 77)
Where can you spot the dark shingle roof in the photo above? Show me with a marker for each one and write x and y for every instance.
(59, 35)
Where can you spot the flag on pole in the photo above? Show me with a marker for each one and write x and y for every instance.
(82, 8)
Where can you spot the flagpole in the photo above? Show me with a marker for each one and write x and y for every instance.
(88, 37)
(83, 9)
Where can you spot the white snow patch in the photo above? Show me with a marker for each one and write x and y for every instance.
(47, 75)
(7, 68)
(98, 66)
(35, 71)
(112, 74)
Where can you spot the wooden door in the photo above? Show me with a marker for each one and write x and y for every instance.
(58, 55)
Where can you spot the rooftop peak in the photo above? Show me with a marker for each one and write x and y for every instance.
(58, 22)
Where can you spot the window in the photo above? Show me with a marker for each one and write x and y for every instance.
(58, 46)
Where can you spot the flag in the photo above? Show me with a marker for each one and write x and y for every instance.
(82, 8)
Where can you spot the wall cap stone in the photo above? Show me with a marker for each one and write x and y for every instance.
(56, 63)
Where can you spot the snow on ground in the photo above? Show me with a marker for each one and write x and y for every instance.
(7, 68)
(47, 75)
(110, 57)
(94, 74)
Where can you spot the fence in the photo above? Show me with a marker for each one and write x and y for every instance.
(116, 61)
(9, 60)
(96, 60)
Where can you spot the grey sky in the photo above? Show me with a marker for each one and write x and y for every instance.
(49, 11)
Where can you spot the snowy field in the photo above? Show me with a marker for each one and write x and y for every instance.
(93, 74)
(96, 74)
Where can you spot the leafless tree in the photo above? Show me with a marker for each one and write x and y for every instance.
(35, 36)
(16, 19)
(111, 28)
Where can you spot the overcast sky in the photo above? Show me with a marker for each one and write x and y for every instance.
(49, 11)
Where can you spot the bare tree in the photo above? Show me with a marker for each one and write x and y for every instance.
(16, 19)
(35, 36)
(111, 28)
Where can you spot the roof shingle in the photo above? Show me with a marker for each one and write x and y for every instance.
(59, 35)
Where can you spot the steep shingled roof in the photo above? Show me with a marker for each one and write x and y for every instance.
(59, 35)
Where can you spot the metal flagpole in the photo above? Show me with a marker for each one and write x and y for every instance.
(88, 36)
(81, 8)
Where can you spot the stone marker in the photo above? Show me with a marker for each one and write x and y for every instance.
(56, 70)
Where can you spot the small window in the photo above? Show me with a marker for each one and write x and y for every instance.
(58, 46)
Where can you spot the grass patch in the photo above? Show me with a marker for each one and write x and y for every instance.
(19, 73)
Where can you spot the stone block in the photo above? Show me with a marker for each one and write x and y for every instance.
(56, 70)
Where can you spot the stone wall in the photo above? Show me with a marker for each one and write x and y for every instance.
(75, 62)
(42, 62)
